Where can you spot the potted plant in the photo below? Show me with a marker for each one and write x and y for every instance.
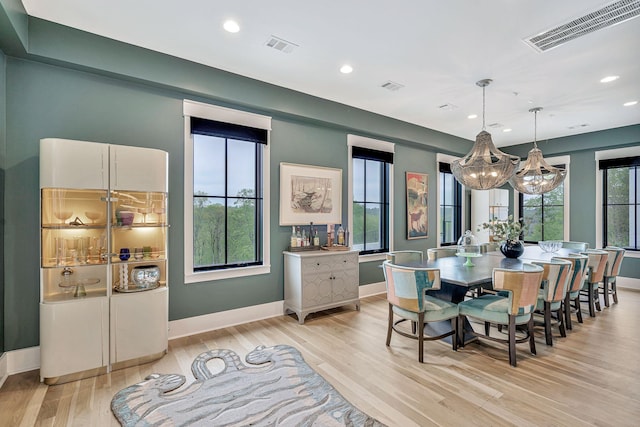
(508, 233)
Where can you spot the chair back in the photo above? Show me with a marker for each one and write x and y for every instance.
(489, 247)
(435, 253)
(522, 284)
(578, 270)
(597, 263)
(403, 257)
(614, 262)
(555, 279)
(580, 246)
(406, 286)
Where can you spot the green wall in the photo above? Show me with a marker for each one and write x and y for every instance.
(3, 145)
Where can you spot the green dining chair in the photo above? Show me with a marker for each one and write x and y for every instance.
(406, 294)
(611, 272)
(435, 253)
(595, 275)
(580, 246)
(576, 282)
(555, 280)
(403, 257)
(511, 308)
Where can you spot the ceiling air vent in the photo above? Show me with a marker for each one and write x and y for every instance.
(280, 44)
(448, 107)
(392, 86)
(495, 125)
(611, 14)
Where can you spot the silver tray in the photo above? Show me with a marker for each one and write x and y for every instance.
(135, 288)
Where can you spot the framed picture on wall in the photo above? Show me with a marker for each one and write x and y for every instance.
(417, 202)
(310, 194)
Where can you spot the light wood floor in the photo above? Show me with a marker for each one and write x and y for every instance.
(592, 377)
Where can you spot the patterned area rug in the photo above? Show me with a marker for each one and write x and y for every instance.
(276, 388)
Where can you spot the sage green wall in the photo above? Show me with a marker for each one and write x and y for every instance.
(3, 145)
(582, 197)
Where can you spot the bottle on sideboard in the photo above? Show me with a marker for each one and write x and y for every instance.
(298, 237)
(341, 236)
(293, 241)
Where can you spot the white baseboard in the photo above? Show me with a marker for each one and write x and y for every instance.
(372, 289)
(4, 373)
(17, 361)
(628, 283)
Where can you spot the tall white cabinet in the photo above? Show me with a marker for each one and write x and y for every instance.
(485, 206)
(98, 201)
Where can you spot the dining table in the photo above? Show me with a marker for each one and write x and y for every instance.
(457, 277)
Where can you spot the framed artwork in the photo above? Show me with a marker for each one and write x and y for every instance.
(417, 193)
(310, 194)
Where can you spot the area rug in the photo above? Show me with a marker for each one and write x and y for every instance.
(276, 388)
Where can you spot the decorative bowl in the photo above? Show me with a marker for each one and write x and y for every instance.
(93, 216)
(550, 245)
(145, 275)
(126, 217)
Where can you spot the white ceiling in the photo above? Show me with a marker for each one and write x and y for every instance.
(436, 49)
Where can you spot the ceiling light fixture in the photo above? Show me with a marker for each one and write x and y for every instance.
(630, 103)
(231, 26)
(484, 167)
(472, 116)
(537, 176)
(346, 69)
(609, 79)
(507, 130)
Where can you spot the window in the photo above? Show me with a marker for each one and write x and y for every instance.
(370, 170)
(226, 206)
(543, 215)
(450, 206)
(620, 202)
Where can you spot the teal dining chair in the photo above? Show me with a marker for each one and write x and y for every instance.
(435, 253)
(553, 290)
(576, 282)
(611, 271)
(512, 307)
(580, 246)
(595, 275)
(403, 257)
(407, 298)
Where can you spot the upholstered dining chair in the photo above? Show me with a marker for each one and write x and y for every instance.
(435, 253)
(576, 282)
(511, 308)
(403, 257)
(595, 275)
(406, 294)
(555, 280)
(489, 247)
(580, 246)
(611, 272)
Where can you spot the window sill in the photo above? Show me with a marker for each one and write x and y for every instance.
(372, 257)
(207, 276)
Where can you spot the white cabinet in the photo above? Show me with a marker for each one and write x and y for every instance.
(315, 281)
(485, 206)
(93, 316)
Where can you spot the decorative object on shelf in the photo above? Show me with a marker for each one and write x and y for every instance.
(124, 276)
(512, 248)
(310, 194)
(62, 215)
(484, 167)
(417, 211)
(125, 254)
(537, 176)
(93, 216)
(145, 276)
(137, 253)
(468, 248)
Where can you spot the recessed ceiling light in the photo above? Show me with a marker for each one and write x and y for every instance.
(630, 103)
(346, 69)
(506, 130)
(231, 26)
(609, 79)
(472, 116)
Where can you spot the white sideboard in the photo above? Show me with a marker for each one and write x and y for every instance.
(319, 280)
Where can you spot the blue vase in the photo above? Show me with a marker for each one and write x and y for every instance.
(512, 248)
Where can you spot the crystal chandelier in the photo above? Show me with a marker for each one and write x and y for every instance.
(484, 167)
(537, 176)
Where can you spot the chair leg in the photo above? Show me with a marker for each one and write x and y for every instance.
(460, 322)
(487, 327)
(390, 327)
(592, 307)
(605, 291)
(596, 297)
(454, 337)
(614, 291)
(547, 323)
(563, 332)
(566, 305)
(532, 341)
(578, 308)
(421, 337)
(512, 340)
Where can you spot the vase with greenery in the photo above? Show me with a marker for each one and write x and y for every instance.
(508, 233)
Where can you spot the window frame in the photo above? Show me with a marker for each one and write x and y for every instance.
(373, 144)
(221, 114)
(457, 205)
(559, 160)
(446, 158)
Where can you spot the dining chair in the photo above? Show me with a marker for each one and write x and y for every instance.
(580, 246)
(489, 247)
(576, 282)
(553, 290)
(406, 294)
(402, 257)
(595, 275)
(435, 253)
(511, 308)
(611, 272)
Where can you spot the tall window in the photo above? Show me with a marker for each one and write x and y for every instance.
(225, 165)
(620, 210)
(450, 206)
(543, 215)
